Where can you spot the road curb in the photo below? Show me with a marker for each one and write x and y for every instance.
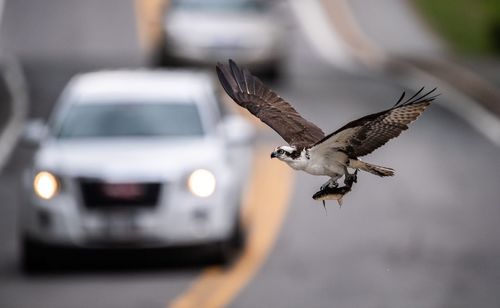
(18, 111)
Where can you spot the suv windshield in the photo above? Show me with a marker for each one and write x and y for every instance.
(130, 120)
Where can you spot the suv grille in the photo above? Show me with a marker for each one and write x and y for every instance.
(101, 195)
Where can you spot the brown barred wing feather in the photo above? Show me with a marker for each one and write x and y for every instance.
(363, 136)
(249, 92)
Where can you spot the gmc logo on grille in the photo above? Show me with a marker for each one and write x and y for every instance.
(124, 191)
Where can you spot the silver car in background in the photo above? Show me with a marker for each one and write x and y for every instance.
(136, 159)
(203, 32)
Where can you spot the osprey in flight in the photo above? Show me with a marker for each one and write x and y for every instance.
(308, 148)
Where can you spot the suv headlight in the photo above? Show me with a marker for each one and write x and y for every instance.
(202, 183)
(46, 185)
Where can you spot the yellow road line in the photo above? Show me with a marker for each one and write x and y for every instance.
(149, 14)
(266, 202)
(264, 206)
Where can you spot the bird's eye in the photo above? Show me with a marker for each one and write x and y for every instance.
(281, 151)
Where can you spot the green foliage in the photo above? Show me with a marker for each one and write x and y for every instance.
(471, 26)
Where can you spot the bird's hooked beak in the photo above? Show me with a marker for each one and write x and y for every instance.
(274, 154)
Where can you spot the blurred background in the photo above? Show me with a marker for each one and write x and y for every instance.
(128, 179)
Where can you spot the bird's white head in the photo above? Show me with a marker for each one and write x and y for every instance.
(285, 153)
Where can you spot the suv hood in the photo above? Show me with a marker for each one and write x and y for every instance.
(130, 159)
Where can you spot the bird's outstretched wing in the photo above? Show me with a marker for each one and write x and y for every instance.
(249, 92)
(363, 136)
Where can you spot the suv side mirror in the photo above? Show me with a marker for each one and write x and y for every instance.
(34, 132)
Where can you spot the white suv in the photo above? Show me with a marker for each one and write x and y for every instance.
(135, 159)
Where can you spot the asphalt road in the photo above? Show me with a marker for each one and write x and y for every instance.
(424, 238)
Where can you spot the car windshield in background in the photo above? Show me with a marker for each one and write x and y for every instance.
(131, 120)
(220, 5)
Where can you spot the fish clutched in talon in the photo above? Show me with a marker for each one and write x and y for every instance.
(332, 193)
(336, 193)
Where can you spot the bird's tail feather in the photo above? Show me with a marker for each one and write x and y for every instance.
(374, 169)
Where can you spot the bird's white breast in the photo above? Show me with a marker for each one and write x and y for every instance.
(330, 164)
